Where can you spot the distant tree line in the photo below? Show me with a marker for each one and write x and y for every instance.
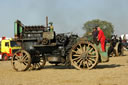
(106, 26)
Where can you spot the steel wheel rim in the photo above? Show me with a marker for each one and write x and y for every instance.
(21, 60)
(84, 55)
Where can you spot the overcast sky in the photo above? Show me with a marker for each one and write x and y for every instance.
(67, 15)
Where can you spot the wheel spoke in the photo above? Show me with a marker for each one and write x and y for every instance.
(76, 55)
(16, 57)
(24, 63)
(87, 64)
(80, 63)
(75, 52)
(79, 60)
(84, 48)
(93, 52)
(91, 56)
(90, 50)
(84, 64)
(76, 58)
(92, 59)
(90, 62)
(39, 64)
(81, 48)
(36, 66)
(24, 57)
(87, 48)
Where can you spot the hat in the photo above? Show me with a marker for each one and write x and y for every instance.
(50, 22)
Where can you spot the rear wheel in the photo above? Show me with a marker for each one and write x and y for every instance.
(21, 60)
(84, 55)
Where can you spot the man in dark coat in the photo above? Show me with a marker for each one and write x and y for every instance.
(95, 34)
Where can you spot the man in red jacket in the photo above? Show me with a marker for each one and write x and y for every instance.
(101, 38)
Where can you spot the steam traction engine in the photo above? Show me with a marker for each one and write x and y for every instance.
(40, 45)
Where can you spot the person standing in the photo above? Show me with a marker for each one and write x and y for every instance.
(101, 38)
(95, 34)
(51, 28)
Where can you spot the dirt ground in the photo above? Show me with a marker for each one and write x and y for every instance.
(114, 72)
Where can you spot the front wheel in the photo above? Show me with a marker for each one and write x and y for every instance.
(21, 60)
(84, 55)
